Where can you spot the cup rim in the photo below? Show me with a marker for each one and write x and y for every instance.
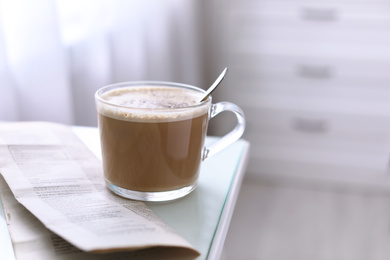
(150, 83)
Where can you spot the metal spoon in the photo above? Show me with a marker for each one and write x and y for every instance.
(215, 85)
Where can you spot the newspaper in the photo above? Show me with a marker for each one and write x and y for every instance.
(58, 179)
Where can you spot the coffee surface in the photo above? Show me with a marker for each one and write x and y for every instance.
(151, 103)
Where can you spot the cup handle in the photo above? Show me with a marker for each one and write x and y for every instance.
(230, 137)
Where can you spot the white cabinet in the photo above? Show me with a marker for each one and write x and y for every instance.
(313, 78)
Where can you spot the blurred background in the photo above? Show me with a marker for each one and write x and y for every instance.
(311, 76)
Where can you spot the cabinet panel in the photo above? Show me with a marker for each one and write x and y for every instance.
(293, 12)
(322, 131)
(365, 161)
(313, 80)
(322, 49)
(314, 104)
(352, 174)
(292, 83)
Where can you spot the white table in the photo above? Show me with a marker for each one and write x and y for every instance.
(202, 217)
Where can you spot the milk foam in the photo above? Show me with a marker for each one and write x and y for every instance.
(152, 104)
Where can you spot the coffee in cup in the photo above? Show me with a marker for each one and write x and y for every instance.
(152, 138)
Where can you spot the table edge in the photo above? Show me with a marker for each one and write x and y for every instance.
(229, 205)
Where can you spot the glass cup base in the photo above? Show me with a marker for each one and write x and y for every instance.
(151, 196)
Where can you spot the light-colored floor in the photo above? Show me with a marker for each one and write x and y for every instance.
(276, 219)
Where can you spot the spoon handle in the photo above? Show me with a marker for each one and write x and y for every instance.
(215, 84)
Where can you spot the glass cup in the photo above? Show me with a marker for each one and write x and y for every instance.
(152, 137)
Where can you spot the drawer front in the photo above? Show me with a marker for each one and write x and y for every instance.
(322, 49)
(311, 67)
(310, 81)
(311, 11)
(332, 80)
(328, 132)
(357, 29)
(350, 31)
(359, 33)
(292, 155)
(353, 173)
(297, 89)
(335, 106)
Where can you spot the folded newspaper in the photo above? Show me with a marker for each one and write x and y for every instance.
(58, 179)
